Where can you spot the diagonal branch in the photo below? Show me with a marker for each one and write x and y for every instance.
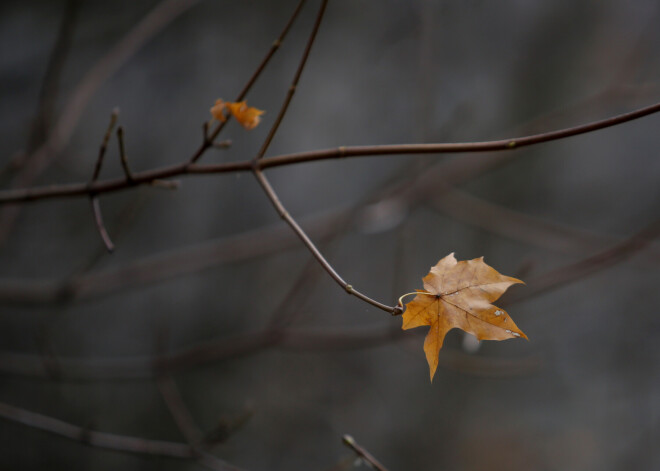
(96, 207)
(100, 225)
(210, 138)
(122, 156)
(111, 441)
(363, 453)
(284, 214)
(294, 83)
(587, 266)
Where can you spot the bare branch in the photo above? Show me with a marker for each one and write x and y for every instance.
(363, 453)
(73, 190)
(210, 139)
(96, 207)
(294, 83)
(122, 156)
(516, 225)
(587, 266)
(157, 19)
(461, 147)
(111, 441)
(98, 219)
(104, 144)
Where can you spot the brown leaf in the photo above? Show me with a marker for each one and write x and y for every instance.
(218, 110)
(459, 294)
(248, 116)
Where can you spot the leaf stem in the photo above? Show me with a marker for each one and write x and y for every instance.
(400, 303)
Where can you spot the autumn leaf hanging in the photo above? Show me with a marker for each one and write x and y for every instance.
(247, 116)
(459, 294)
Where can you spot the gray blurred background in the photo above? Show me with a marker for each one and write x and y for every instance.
(200, 272)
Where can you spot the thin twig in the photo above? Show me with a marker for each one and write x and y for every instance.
(73, 190)
(363, 453)
(111, 441)
(256, 243)
(104, 144)
(209, 139)
(294, 82)
(516, 225)
(284, 214)
(96, 207)
(122, 156)
(98, 219)
(205, 133)
(157, 19)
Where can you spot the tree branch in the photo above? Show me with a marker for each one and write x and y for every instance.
(294, 83)
(284, 214)
(582, 268)
(157, 19)
(209, 139)
(111, 441)
(73, 190)
(363, 453)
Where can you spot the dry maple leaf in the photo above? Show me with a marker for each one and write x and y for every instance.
(459, 294)
(247, 116)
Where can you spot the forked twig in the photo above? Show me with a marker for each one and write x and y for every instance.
(294, 83)
(209, 139)
(36, 163)
(96, 207)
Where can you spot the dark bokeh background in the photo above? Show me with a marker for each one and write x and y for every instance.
(583, 393)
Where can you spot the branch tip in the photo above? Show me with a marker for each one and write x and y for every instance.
(122, 156)
(100, 226)
(362, 453)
